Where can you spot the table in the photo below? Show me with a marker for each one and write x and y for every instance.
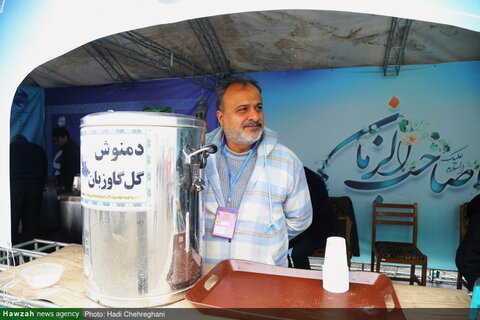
(68, 291)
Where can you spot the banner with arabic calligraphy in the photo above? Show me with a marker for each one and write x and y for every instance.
(404, 139)
(116, 168)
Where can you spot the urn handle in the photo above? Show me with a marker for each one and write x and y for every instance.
(198, 160)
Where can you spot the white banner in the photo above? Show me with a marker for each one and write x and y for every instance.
(116, 169)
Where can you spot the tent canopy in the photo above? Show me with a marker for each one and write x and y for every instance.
(256, 41)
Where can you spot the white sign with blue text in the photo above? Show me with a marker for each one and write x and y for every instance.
(116, 169)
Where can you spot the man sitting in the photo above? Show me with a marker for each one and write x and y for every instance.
(468, 253)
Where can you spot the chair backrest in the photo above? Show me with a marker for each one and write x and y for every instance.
(463, 220)
(398, 214)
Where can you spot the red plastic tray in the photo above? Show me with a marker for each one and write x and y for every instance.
(250, 290)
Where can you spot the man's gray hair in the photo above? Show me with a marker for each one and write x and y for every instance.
(227, 82)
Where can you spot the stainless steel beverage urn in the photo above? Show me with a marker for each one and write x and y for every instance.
(141, 177)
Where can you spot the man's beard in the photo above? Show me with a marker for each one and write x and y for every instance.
(241, 137)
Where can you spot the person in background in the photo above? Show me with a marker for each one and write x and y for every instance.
(324, 224)
(256, 195)
(28, 172)
(468, 252)
(69, 160)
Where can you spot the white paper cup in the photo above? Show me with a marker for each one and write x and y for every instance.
(335, 267)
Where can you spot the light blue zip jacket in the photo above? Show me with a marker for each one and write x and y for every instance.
(275, 206)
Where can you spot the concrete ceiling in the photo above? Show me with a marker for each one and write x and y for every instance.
(264, 41)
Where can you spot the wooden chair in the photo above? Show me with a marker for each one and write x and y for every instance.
(398, 252)
(463, 229)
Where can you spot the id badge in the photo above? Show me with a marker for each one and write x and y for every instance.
(225, 221)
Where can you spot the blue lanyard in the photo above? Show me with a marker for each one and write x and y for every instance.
(232, 183)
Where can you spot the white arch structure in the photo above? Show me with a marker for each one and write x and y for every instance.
(33, 32)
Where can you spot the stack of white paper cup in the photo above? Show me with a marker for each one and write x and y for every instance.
(335, 267)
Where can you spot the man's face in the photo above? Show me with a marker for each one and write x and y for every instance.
(60, 141)
(241, 115)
